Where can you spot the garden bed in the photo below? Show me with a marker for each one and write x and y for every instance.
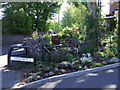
(49, 69)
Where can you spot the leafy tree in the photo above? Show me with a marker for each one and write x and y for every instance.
(54, 26)
(94, 26)
(25, 17)
(74, 16)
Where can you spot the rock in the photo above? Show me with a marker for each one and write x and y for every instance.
(75, 62)
(85, 67)
(114, 59)
(65, 64)
(51, 73)
(56, 69)
(34, 77)
(25, 74)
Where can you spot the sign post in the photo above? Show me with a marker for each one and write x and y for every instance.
(23, 59)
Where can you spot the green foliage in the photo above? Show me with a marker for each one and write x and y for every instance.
(66, 35)
(47, 38)
(68, 30)
(38, 77)
(95, 29)
(52, 63)
(110, 53)
(46, 57)
(30, 78)
(99, 53)
(69, 57)
(115, 51)
(96, 65)
(39, 73)
(74, 16)
(46, 69)
(46, 74)
(25, 17)
(54, 26)
(60, 35)
(63, 70)
(58, 57)
(35, 35)
(88, 48)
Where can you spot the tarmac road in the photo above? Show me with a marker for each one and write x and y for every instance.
(102, 79)
(8, 78)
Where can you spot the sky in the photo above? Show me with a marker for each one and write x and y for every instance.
(105, 9)
(105, 6)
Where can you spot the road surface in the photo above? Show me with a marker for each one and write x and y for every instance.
(102, 79)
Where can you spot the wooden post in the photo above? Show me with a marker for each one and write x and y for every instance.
(34, 56)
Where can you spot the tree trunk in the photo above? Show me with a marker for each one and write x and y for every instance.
(92, 6)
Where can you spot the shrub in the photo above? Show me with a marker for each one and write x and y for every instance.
(115, 51)
(46, 69)
(68, 30)
(30, 78)
(110, 54)
(99, 53)
(66, 35)
(69, 56)
(35, 35)
(96, 65)
(58, 57)
(60, 35)
(47, 38)
(63, 70)
(46, 58)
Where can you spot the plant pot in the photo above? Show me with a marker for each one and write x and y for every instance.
(55, 41)
(69, 41)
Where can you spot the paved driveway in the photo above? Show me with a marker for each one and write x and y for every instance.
(102, 79)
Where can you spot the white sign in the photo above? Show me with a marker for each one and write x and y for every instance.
(22, 59)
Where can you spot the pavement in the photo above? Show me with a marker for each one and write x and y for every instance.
(8, 78)
(101, 79)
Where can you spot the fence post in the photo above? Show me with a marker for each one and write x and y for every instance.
(34, 56)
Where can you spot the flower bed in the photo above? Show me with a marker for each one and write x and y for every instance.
(48, 69)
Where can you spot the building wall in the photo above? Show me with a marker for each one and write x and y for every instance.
(113, 6)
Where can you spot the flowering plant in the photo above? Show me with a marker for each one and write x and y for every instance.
(86, 58)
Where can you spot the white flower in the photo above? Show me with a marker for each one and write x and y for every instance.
(85, 59)
(83, 55)
(88, 54)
